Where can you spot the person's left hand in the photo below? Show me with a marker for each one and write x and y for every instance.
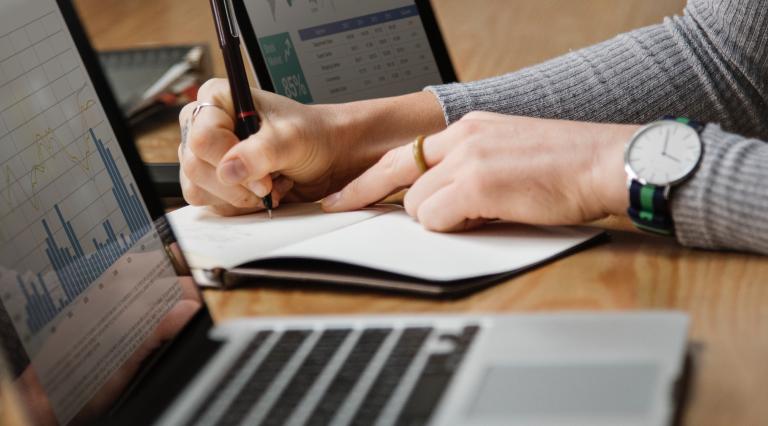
(489, 166)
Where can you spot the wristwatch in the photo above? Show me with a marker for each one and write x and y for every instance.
(659, 156)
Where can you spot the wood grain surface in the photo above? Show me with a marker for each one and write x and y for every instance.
(726, 294)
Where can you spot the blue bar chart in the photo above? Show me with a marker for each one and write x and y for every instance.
(84, 276)
(75, 266)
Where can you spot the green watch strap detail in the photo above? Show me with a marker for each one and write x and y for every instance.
(646, 203)
(649, 210)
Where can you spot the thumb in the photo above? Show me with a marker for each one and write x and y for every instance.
(255, 159)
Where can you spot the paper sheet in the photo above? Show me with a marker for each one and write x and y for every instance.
(211, 241)
(384, 238)
(394, 242)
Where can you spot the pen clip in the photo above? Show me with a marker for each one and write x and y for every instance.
(231, 19)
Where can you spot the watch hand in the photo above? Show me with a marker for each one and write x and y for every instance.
(666, 143)
(672, 158)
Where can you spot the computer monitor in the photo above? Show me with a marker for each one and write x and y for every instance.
(87, 287)
(331, 51)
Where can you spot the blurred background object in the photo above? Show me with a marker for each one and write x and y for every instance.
(150, 81)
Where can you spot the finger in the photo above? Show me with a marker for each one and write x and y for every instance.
(261, 187)
(394, 171)
(217, 91)
(209, 134)
(204, 175)
(195, 195)
(210, 144)
(441, 212)
(255, 158)
(431, 182)
(280, 193)
(186, 112)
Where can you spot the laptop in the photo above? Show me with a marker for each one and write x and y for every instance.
(98, 326)
(331, 51)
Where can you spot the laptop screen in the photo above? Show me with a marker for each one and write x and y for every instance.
(333, 51)
(87, 288)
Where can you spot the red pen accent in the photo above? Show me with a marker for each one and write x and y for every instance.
(246, 114)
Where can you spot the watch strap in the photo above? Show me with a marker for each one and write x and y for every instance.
(649, 208)
(696, 125)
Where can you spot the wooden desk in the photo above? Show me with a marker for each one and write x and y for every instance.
(725, 294)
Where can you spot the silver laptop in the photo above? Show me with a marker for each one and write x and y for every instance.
(98, 327)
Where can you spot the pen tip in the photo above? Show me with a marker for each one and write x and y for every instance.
(269, 213)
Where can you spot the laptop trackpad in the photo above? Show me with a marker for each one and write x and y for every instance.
(572, 390)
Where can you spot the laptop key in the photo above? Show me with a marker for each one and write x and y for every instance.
(357, 361)
(233, 370)
(260, 380)
(326, 346)
(405, 350)
(435, 378)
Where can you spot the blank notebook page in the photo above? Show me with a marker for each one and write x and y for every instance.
(394, 242)
(211, 241)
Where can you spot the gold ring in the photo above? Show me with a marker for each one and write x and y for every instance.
(418, 154)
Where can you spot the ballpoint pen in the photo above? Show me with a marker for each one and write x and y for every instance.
(247, 119)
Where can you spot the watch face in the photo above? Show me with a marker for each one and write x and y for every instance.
(663, 153)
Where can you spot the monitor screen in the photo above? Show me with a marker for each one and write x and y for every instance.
(87, 289)
(330, 51)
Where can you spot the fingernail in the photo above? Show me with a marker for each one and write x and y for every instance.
(332, 200)
(258, 188)
(233, 171)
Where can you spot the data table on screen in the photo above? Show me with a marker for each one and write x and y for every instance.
(343, 50)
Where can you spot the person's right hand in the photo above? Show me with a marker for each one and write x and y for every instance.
(295, 144)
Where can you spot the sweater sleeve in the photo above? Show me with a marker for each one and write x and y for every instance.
(710, 64)
(725, 204)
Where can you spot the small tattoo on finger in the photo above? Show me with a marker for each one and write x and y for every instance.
(184, 135)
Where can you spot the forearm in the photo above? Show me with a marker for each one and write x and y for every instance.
(724, 205)
(695, 66)
(367, 129)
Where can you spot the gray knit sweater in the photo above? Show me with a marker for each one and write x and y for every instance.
(711, 64)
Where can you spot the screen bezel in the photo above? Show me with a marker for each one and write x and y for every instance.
(428, 19)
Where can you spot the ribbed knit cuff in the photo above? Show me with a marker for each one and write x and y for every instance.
(455, 100)
(724, 204)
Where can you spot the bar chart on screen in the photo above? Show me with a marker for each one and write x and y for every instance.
(75, 269)
(84, 275)
(69, 208)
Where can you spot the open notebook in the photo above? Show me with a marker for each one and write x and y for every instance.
(380, 247)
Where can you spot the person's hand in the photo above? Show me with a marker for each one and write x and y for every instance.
(218, 170)
(490, 166)
(310, 151)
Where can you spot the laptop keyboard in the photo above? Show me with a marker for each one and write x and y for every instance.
(360, 383)
(366, 347)
(305, 376)
(400, 359)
